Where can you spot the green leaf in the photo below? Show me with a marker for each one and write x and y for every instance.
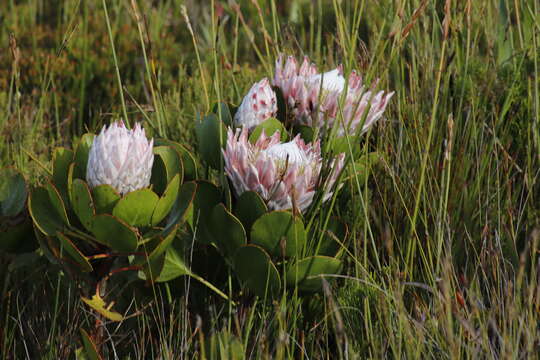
(19, 238)
(183, 202)
(57, 202)
(269, 126)
(226, 229)
(207, 196)
(99, 305)
(47, 220)
(188, 161)
(255, 269)
(81, 156)
(307, 273)
(151, 268)
(249, 207)
(105, 198)
(167, 164)
(62, 159)
(115, 233)
(13, 192)
(136, 208)
(75, 254)
(280, 233)
(164, 239)
(212, 137)
(174, 265)
(167, 200)
(307, 133)
(81, 202)
(226, 113)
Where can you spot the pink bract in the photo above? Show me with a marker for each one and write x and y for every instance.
(285, 175)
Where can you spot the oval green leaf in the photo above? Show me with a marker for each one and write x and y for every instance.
(249, 207)
(255, 269)
(307, 133)
(309, 272)
(227, 230)
(82, 204)
(207, 196)
(62, 159)
(39, 206)
(81, 155)
(212, 137)
(115, 233)
(13, 192)
(74, 253)
(188, 161)
(166, 201)
(279, 233)
(136, 208)
(174, 265)
(183, 203)
(269, 126)
(223, 112)
(57, 202)
(167, 164)
(105, 198)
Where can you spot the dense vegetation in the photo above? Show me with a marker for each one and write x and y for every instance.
(441, 257)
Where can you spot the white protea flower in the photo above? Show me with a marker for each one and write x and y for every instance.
(286, 175)
(121, 158)
(258, 105)
(331, 80)
(315, 98)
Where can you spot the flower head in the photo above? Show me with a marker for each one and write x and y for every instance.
(286, 175)
(121, 158)
(258, 105)
(315, 97)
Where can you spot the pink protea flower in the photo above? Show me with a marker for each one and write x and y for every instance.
(315, 97)
(291, 79)
(286, 175)
(258, 105)
(121, 158)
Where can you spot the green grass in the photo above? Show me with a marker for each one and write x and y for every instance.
(442, 258)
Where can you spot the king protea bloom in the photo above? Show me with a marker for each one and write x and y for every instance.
(285, 175)
(121, 158)
(258, 105)
(315, 97)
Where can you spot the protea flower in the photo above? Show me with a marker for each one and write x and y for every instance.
(258, 105)
(291, 80)
(286, 175)
(121, 158)
(314, 97)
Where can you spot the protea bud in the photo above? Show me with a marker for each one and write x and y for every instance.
(258, 105)
(286, 175)
(314, 98)
(121, 158)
